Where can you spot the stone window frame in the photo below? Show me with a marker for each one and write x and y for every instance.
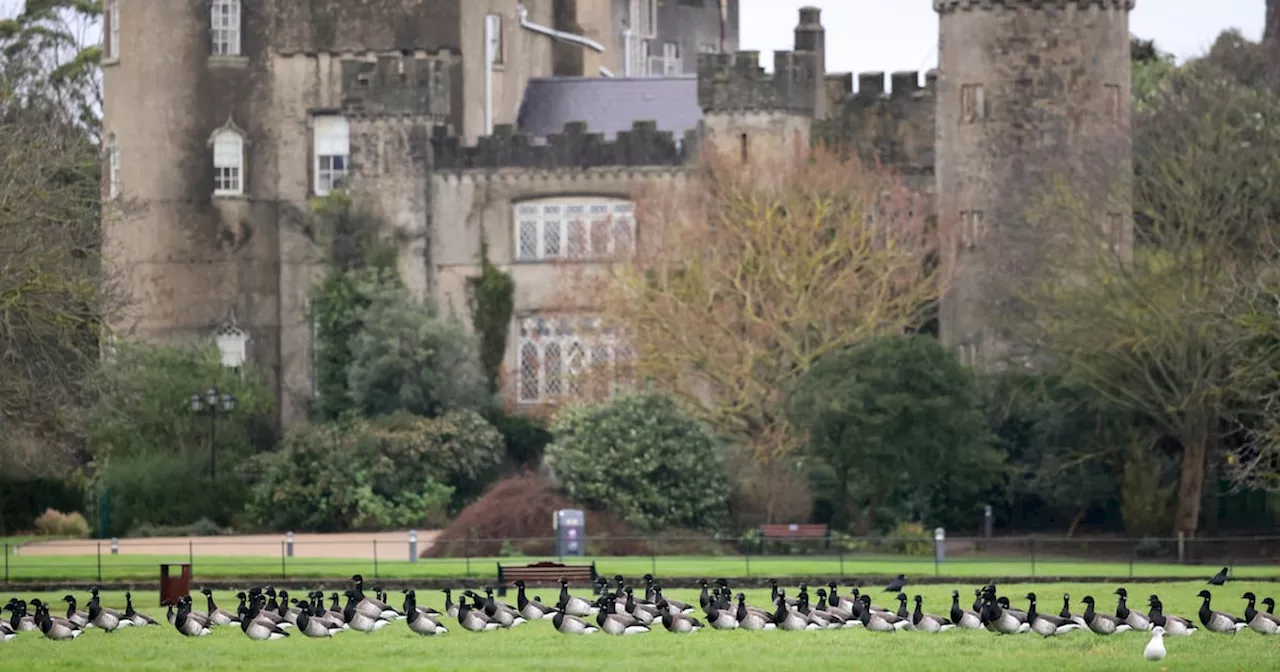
(1119, 237)
(973, 103)
(1113, 99)
(111, 32)
(972, 228)
(643, 14)
(226, 21)
(500, 32)
(233, 345)
(114, 187)
(331, 152)
(572, 228)
(967, 354)
(559, 358)
(228, 145)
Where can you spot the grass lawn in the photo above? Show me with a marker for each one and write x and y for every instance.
(145, 567)
(537, 646)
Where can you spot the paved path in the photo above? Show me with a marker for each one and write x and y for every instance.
(347, 545)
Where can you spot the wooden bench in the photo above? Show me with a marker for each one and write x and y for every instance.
(545, 574)
(777, 532)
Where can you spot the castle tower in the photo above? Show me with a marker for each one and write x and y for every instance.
(1029, 92)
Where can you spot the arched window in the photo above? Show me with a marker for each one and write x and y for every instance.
(113, 167)
(233, 344)
(579, 228)
(225, 26)
(228, 163)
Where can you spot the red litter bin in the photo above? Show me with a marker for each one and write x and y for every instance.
(173, 587)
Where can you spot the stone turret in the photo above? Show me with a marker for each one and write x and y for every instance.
(1029, 92)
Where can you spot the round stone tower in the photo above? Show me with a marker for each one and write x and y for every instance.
(1031, 94)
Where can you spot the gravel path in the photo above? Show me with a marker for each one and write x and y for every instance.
(347, 545)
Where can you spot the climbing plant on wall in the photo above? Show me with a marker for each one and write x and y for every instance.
(492, 302)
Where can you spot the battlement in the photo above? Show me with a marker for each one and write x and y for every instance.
(893, 127)
(643, 145)
(734, 82)
(948, 6)
(905, 85)
(395, 84)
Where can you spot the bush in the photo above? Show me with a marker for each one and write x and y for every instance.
(53, 523)
(643, 460)
(201, 528)
(21, 502)
(526, 437)
(389, 472)
(149, 490)
(912, 539)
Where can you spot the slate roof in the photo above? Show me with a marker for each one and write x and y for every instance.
(609, 104)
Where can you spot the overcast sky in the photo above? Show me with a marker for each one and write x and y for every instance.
(888, 35)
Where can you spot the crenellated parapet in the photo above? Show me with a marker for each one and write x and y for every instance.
(894, 126)
(946, 6)
(643, 145)
(396, 84)
(736, 82)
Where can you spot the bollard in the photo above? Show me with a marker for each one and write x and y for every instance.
(115, 546)
(939, 549)
(413, 545)
(988, 522)
(288, 544)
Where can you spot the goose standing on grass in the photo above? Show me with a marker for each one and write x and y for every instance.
(963, 618)
(472, 617)
(785, 618)
(647, 613)
(333, 617)
(264, 610)
(139, 620)
(902, 611)
(80, 618)
(999, 619)
(57, 629)
(675, 621)
(1066, 612)
(568, 624)
(675, 606)
(1155, 647)
(109, 620)
(219, 617)
(257, 628)
(1173, 625)
(498, 612)
(425, 610)
(720, 616)
(450, 609)
(749, 618)
(419, 621)
(1047, 625)
(1136, 619)
(614, 623)
(187, 623)
(1259, 621)
(928, 622)
(19, 619)
(573, 605)
(825, 607)
(1217, 621)
(1102, 624)
(289, 614)
(360, 620)
(313, 624)
(879, 621)
(532, 610)
(371, 607)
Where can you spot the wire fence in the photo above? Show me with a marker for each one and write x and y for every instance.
(670, 556)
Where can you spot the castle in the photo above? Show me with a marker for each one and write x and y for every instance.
(509, 122)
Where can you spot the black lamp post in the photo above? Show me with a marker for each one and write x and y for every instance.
(213, 403)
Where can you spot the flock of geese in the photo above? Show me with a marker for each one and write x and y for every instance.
(265, 614)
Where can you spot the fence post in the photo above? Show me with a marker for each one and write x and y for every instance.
(191, 555)
(283, 555)
(1182, 547)
(939, 549)
(115, 546)
(375, 558)
(99, 562)
(1033, 556)
(288, 543)
(988, 522)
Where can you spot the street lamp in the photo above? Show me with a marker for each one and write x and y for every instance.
(213, 403)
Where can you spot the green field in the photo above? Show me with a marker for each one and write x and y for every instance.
(145, 567)
(537, 646)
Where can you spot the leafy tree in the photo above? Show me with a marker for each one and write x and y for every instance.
(406, 357)
(748, 273)
(52, 59)
(884, 416)
(642, 459)
(371, 474)
(1153, 324)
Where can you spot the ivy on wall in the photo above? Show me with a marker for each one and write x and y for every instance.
(492, 303)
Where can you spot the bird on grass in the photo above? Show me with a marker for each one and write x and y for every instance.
(1155, 647)
(1259, 621)
(1219, 578)
(1218, 621)
(896, 584)
(1173, 625)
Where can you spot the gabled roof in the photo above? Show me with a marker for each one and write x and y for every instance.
(609, 104)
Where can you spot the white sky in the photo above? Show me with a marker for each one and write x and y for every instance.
(889, 35)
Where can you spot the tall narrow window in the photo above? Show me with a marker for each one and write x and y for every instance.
(1117, 234)
(332, 152)
(1112, 100)
(973, 103)
(225, 24)
(744, 147)
(228, 163)
(496, 44)
(971, 228)
(644, 18)
(111, 44)
(113, 167)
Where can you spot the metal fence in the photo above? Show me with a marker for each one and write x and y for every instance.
(672, 556)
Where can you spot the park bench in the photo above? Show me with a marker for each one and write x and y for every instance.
(794, 531)
(545, 574)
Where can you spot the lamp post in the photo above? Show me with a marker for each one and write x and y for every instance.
(213, 403)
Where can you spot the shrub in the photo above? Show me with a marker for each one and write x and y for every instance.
(912, 539)
(642, 459)
(201, 528)
(53, 523)
(149, 490)
(526, 436)
(21, 502)
(395, 471)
